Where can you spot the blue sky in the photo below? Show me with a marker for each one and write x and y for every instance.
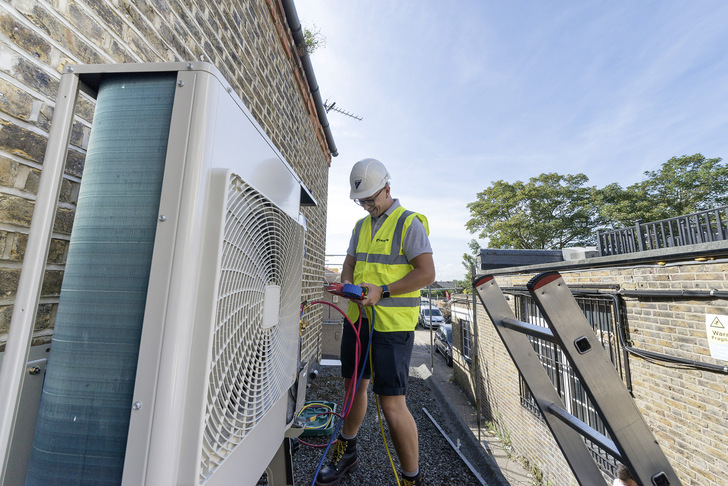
(457, 94)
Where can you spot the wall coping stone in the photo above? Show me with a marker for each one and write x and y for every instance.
(711, 250)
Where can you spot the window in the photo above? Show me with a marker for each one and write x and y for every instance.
(467, 339)
(602, 312)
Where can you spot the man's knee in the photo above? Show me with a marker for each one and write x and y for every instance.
(393, 406)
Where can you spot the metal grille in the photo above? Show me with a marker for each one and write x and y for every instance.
(251, 364)
(83, 420)
(602, 312)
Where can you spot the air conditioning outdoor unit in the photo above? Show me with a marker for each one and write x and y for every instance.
(579, 253)
(176, 355)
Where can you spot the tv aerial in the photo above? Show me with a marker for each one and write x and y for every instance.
(328, 107)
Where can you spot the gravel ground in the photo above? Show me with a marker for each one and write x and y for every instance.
(441, 464)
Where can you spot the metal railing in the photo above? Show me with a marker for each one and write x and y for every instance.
(691, 229)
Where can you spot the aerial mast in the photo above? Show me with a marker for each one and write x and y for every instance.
(333, 107)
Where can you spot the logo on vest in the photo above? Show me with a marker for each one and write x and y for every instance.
(379, 240)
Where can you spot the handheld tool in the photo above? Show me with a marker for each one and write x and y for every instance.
(350, 291)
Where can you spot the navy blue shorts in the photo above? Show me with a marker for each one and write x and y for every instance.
(391, 354)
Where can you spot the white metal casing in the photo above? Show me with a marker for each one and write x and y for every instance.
(215, 148)
(211, 133)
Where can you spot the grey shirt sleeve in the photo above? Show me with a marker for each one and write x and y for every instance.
(416, 241)
(351, 251)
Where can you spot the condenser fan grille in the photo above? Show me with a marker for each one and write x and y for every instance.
(252, 359)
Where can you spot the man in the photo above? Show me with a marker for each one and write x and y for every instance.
(624, 476)
(390, 256)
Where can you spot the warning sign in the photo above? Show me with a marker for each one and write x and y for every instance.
(717, 329)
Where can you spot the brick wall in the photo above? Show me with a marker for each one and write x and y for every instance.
(684, 407)
(247, 40)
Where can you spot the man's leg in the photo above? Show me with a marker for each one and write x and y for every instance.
(403, 430)
(358, 411)
(344, 457)
(391, 373)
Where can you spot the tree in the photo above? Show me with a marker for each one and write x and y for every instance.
(619, 208)
(552, 210)
(470, 262)
(549, 211)
(688, 184)
(683, 185)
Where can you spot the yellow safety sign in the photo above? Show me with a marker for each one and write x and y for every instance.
(716, 327)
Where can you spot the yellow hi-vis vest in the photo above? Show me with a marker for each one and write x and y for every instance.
(380, 261)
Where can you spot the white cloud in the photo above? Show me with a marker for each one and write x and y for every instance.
(456, 95)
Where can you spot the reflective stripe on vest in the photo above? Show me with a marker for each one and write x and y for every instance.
(380, 261)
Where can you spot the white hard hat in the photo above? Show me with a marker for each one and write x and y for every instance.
(367, 177)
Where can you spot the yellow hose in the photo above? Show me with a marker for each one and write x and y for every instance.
(379, 414)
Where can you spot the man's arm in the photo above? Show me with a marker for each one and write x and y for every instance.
(422, 275)
(347, 269)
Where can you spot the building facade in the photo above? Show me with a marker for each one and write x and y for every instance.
(661, 317)
(248, 41)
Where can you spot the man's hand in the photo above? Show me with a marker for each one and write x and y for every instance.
(373, 294)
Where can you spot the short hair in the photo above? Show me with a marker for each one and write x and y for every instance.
(623, 472)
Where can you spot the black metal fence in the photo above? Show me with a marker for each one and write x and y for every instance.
(702, 227)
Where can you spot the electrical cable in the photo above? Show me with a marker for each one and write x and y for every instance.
(357, 352)
(355, 380)
(666, 360)
(381, 425)
(354, 384)
(327, 411)
(661, 359)
(676, 362)
(334, 434)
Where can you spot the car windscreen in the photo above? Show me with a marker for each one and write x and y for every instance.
(435, 312)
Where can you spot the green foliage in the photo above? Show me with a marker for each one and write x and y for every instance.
(470, 262)
(683, 185)
(552, 211)
(313, 39)
(619, 207)
(548, 211)
(463, 287)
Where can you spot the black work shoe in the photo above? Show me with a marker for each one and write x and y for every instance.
(416, 481)
(343, 461)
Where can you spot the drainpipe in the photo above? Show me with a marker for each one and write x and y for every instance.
(476, 354)
(295, 25)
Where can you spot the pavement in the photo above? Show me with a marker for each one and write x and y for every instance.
(432, 368)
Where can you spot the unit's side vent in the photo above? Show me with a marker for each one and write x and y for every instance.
(255, 342)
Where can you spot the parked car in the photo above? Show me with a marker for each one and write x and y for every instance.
(428, 321)
(443, 342)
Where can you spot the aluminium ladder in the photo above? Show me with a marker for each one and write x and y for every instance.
(632, 441)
